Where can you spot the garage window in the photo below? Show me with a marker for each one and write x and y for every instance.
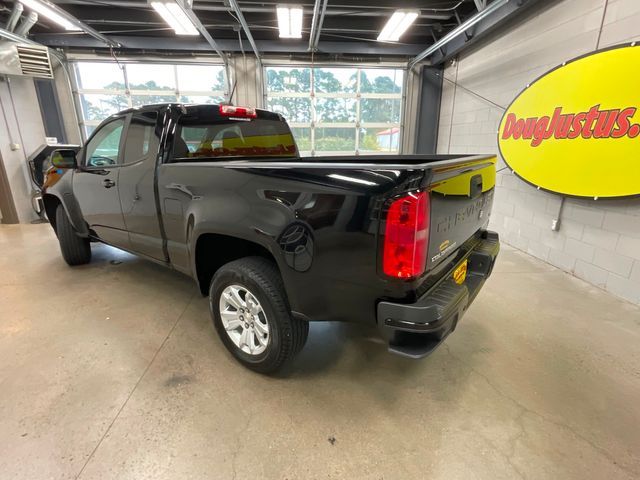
(338, 110)
(107, 88)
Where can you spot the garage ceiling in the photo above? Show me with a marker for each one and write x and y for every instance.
(349, 27)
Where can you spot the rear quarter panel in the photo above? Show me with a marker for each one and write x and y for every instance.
(337, 219)
(321, 225)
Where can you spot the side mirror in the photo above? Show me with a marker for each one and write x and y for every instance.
(64, 159)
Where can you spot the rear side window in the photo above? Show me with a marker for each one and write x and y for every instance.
(142, 137)
(198, 137)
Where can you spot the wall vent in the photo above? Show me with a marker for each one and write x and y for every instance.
(25, 60)
(34, 61)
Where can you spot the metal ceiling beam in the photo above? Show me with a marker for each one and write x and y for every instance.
(245, 27)
(188, 10)
(459, 30)
(105, 20)
(482, 29)
(319, 11)
(369, 11)
(139, 26)
(195, 44)
(84, 27)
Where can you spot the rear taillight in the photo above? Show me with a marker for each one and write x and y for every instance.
(240, 112)
(406, 236)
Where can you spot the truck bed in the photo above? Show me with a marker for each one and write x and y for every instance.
(373, 162)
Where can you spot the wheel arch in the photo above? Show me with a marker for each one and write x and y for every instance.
(51, 203)
(213, 250)
(72, 209)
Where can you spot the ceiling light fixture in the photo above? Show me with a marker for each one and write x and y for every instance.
(173, 13)
(43, 8)
(289, 21)
(399, 22)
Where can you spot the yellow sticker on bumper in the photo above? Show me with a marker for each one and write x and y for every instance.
(460, 273)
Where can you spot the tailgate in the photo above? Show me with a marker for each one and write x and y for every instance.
(461, 199)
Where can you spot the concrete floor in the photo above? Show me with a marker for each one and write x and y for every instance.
(113, 370)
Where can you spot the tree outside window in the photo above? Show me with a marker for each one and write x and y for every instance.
(102, 90)
(339, 110)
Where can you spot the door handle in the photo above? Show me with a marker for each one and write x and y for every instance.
(108, 183)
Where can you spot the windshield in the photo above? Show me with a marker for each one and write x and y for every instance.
(198, 137)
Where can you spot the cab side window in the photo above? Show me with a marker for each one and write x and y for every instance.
(103, 149)
(142, 137)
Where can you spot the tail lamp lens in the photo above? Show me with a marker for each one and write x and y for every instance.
(406, 236)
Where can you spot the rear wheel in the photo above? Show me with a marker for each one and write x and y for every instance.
(75, 250)
(251, 314)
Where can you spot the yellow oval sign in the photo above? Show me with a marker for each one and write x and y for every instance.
(576, 130)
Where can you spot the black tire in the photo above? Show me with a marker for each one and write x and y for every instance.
(287, 334)
(75, 250)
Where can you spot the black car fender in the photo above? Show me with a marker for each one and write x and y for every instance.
(263, 227)
(60, 191)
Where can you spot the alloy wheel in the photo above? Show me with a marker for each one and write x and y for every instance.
(244, 319)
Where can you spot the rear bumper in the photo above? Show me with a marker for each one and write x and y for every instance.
(414, 330)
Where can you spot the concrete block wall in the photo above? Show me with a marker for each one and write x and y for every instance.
(21, 125)
(598, 241)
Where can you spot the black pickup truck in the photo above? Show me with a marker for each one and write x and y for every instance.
(221, 194)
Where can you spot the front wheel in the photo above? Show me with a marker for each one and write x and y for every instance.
(75, 250)
(251, 314)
